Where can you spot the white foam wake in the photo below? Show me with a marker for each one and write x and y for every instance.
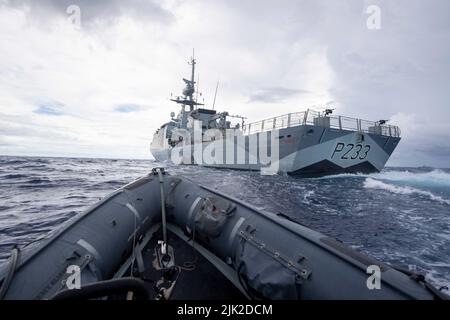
(437, 178)
(371, 183)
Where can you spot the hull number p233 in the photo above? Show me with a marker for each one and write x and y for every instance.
(350, 151)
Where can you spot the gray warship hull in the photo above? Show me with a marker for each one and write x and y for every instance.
(308, 149)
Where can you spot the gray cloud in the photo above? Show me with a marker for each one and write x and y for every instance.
(128, 107)
(48, 107)
(96, 11)
(17, 129)
(401, 71)
(274, 94)
(436, 150)
(46, 110)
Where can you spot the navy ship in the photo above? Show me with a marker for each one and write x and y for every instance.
(306, 143)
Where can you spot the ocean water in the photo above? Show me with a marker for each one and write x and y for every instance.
(400, 216)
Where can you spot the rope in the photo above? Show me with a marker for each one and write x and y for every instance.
(12, 268)
(191, 265)
(133, 258)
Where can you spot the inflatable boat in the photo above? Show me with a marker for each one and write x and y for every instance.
(165, 237)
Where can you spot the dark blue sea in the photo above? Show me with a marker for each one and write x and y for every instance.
(400, 216)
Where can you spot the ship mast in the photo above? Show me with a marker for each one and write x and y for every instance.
(192, 63)
(189, 90)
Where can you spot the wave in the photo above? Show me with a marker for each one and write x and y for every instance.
(34, 166)
(12, 162)
(39, 181)
(436, 177)
(307, 196)
(371, 183)
(14, 176)
(433, 178)
(342, 176)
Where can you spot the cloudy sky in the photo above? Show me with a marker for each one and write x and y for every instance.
(102, 89)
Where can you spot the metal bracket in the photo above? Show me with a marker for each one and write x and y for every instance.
(164, 256)
(156, 170)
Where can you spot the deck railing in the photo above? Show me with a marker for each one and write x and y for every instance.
(311, 117)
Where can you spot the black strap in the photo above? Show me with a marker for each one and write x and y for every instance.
(105, 288)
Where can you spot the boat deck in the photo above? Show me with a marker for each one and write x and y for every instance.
(195, 277)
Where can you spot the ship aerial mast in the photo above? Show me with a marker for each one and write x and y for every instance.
(189, 90)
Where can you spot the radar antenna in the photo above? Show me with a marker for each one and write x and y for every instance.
(189, 90)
